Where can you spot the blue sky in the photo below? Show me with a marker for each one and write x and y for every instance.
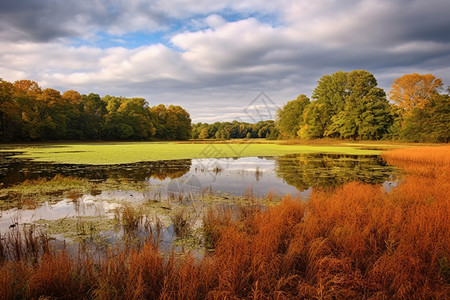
(132, 40)
(214, 58)
(148, 36)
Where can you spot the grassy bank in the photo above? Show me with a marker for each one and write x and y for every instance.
(353, 242)
(120, 153)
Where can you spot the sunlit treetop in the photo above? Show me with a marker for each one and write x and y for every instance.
(414, 90)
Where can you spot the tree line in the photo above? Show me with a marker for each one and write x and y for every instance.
(346, 105)
(235, 130)
(27, 113)
(350, 105)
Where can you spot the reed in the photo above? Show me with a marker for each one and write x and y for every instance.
(214, 220)
(25, 243)
(181, 223)
(130, 217)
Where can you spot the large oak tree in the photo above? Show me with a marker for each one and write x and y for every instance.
(347, 105)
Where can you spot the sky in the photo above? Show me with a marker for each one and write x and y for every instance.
(220, 60)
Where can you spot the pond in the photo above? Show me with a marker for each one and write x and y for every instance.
(166, 189)
(284, 174)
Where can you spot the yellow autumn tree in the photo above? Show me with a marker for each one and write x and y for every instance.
(414, 90)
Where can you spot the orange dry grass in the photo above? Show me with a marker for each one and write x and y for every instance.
(13, 279)
(56, 276)
(356, 241)
(353, 242)
(422, 160)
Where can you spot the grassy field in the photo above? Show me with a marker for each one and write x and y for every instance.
(130, 152)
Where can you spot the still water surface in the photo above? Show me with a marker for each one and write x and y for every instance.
(284, 174)
(256, 176)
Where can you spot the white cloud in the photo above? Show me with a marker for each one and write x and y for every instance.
(214, 67)
(215, 21)
(234, 46)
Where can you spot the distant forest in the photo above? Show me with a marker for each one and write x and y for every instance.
(235, 130)
(345, 105)
(28, 113)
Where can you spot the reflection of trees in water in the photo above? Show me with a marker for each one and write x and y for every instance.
(322, 170)
(171, 169)
(143, 170)
(302, 171)
(13, 170)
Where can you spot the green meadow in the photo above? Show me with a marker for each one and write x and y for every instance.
(131, 152)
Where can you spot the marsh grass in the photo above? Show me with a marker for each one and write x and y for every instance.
(182, 223)
(129, 216)
(215, 220)
(24, 244)
(423, 161)
(352, 242)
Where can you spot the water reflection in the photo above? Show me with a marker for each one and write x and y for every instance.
(322, 170)
(236, 176)
(285, 174)
(292, 174)
(14, 170)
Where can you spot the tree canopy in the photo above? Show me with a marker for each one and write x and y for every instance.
(422, 114)
(414, 90)
(346, 105)
(29, 113)
(290, 117)
(235, 130)
(350, 105)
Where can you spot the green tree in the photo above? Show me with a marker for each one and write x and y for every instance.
(315, 121)
(439, 115)
(172, 122)
(430, 123)
(347, 105)
(329, 99)
(73, 113)
(29, 113)
(51, 117)
(128, 118)
(32, 111)
(366, 112)
(10, 113)
(135, 113)
(159, 116)
(226, 130)
(179, 122)
(93, 115)
(197, 128)
(290, 117)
